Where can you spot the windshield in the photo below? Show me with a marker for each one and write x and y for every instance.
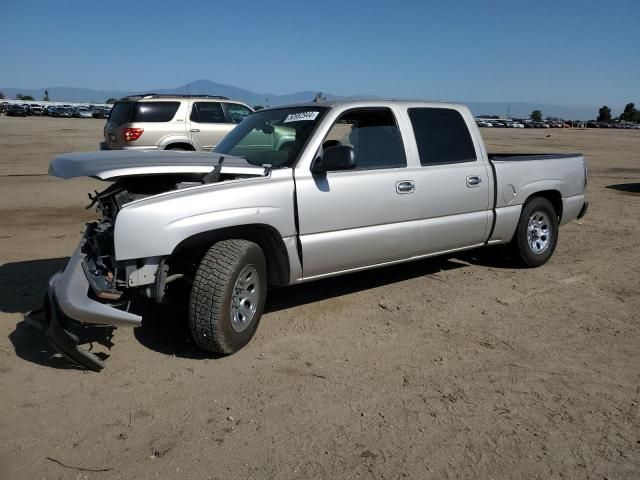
(272, 137)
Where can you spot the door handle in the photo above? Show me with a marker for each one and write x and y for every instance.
(473, 181)
(405, 186)
(194, 130)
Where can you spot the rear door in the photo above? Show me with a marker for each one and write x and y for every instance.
(356, 218)
(452, 184)
(208, 124)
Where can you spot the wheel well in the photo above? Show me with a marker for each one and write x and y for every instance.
(553, 196)
(191, 250)
(179, 146)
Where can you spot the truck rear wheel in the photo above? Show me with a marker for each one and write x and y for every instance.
(536, 235)
(228, 296)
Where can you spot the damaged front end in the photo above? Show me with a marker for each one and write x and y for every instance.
(96, 289)
(108, 278)
(92, 291)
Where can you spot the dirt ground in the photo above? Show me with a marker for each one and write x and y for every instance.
(457, 367)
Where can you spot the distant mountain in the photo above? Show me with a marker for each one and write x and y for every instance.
(199, 87)
(207, 87)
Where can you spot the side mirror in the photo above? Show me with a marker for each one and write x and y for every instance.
(335, 158)
(267, 128)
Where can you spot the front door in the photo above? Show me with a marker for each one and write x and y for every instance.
(356, 218)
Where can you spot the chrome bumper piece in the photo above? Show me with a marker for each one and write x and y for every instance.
(70, 290)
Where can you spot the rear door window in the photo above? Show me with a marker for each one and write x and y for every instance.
(442, 136)
(207, 112)
(154, 111)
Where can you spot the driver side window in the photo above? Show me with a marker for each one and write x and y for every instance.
(374, 136)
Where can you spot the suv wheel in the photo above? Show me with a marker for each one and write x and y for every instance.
(228, 296)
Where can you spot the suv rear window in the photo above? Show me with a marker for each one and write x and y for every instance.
(125, 112)
(442, 136)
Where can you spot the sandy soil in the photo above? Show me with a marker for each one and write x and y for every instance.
(457, 367)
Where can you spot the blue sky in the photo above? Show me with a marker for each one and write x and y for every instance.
(577, 53)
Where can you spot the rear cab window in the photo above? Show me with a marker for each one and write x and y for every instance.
(442, 136)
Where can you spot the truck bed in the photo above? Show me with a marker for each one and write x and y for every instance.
(520, 175)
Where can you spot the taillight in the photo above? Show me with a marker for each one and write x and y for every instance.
(131, 134)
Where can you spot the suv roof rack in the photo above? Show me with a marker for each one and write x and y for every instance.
(171, 95)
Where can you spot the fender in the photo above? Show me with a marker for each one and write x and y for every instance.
(154, 226)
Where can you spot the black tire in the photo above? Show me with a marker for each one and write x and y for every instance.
(210, 315)
(543, 242)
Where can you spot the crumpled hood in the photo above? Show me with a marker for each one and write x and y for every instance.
(111, 164)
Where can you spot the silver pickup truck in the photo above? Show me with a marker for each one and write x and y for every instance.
(294, 194)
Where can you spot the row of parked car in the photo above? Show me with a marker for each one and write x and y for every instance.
(516, 123)
(34, 109)
(612, 125)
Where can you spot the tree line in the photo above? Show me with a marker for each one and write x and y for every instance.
(629, 114)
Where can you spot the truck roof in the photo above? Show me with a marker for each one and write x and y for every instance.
(365, 102)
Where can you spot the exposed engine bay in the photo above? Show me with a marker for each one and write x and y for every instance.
(114, 281)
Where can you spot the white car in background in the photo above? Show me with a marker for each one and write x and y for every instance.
(171, 122)
(82, 112)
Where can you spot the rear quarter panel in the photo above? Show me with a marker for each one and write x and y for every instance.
(516, 181)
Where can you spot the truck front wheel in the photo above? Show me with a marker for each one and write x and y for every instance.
(227, 296)
(536, 234)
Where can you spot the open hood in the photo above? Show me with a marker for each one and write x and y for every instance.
(111, 164)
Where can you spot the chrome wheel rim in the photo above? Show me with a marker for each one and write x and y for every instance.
(539, 231)
(244, 298)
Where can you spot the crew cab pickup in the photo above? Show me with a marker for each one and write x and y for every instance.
(294, 194)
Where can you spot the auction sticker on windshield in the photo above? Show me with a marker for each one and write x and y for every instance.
(301, 116)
